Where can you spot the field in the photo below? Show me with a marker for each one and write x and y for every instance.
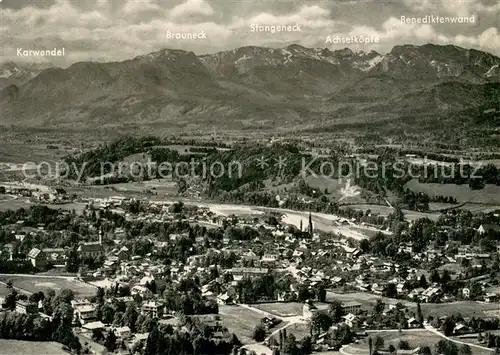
(337, 189)
(299, 330)
(286, 309)
(466, 308)
(17, 203)
(438, 206)
(241, 321)
(161, 186)
(384, 211)
(415, 338)
(477, 207)
(35, 283)
(4, 291)
(21, 347)
(490, 194)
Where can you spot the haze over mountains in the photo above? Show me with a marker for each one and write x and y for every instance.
(255, 87)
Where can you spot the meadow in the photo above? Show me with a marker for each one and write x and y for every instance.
(34, 283)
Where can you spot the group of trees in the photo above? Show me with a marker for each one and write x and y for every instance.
(164, 339)
(19, 326)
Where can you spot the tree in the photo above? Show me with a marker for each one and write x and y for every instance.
(448, 326)
(336, 311)
(321, 293)
(364, 245)
(392, 349)
(435, 278)
(320, 321)
(290, 346)
(445, 277)
(259, 333)
(110, 342)
(370, 345)
(403, 345)
(379, 343)
(153, 342)
(306, 345)
(379, 307)
(10, 300)
(97, 335)
(465, 350)
(390, 290)
(420, 317)
(425, 350)
(422, 282)
(130, 317)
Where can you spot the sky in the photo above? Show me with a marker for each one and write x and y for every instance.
(116, 30)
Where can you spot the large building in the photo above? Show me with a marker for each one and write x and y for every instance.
(351, 307)
(91, 249)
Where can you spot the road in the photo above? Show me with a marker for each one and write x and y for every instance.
(261, 348)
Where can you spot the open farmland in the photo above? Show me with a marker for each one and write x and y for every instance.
(478, 207)
(490, 194)
(384, 211)
(241, 321)
(35, 283)
(299, 330)
(465, 308)
(414, 337)
(21, 347)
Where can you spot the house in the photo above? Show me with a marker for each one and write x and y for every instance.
(406, 248)
(94, 326)
(269, 260)
(485, 228)
(491, 297)
(140, 290)
(413, 323)
(350, 319)
(55, 255)
(431, 293)
(350, 252)
(224, 299)
(123, 254)
(37, 258)
(250, 256)
(85, 313)
(123, 333)
(26, 307)
(338, 281)
(466, 292)
(461, 329)
(377, 289)
(153, 308)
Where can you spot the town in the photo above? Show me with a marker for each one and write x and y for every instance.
(131, 274)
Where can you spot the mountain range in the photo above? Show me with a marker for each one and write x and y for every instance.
(257, 88)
